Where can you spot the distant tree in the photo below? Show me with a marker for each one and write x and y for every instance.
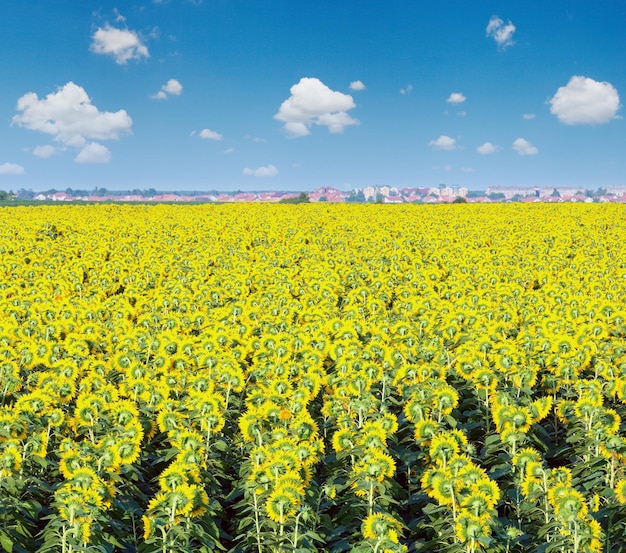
(516, 198)
(601, 192)
(356, 197)
(459, 200)
(475, 193)
(301, 198)
(555, 193)
(379, 198)
(496, 196)
(323, 199)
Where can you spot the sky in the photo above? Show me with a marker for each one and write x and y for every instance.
(294, 95)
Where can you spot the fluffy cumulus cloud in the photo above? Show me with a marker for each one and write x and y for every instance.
(357, 85)
(524, 148)
(72, 120)
(11, 169)
(313, 103)
(263, 171)
(501, 33)
(584, 101)
(444, 143)
(93, 153)
(45, 151)
(456, 98)
(208, 134)
(171, 87)
(122, 44)
(487, 148)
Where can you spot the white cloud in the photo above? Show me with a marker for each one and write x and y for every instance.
(529, 116)
(487, 148)
(229, 151)
(357, 85)
(45, 151)
(467, 169)
(173, 87)
(118, 16)
(313, 103)
(524, 148)
(93, 153)
(462, 113)
(501, 33)
(208, 134)
(444, 143)
(11, 169)
(456, 98)
(584, 101)
(263, 171)
(170, 87)
(70, 117)
(122, 44)
(406, 90)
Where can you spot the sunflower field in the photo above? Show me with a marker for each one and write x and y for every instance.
(314, 377)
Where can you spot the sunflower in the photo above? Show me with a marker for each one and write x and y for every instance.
(177, 474)
(620, 491)
(470, 528)
(280, 506)
(442, 447)
(379, 526)
(524, 456)
(425, 430)
(571, 506)
(10, 457)
(344, 439)
(479, 504)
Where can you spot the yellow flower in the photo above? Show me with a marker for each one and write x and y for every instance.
(620, 491)
(470, 528)
(10, 457)
(380, 526)
(280, 506)
(343, 440)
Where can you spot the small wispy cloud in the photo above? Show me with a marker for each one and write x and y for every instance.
(11, 169)
(456, 98)
(444, 143)
(208, 134)
(261, 172)
(407, 90)
(501, 33)
(357, 85)
(171, 87)
(524, 148)
(487, 148)
(122, 44)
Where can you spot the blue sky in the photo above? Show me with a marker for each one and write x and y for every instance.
(284, 95)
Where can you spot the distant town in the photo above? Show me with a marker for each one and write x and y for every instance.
(369, 194)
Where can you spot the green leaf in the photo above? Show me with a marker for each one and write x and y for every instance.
(6, 542)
